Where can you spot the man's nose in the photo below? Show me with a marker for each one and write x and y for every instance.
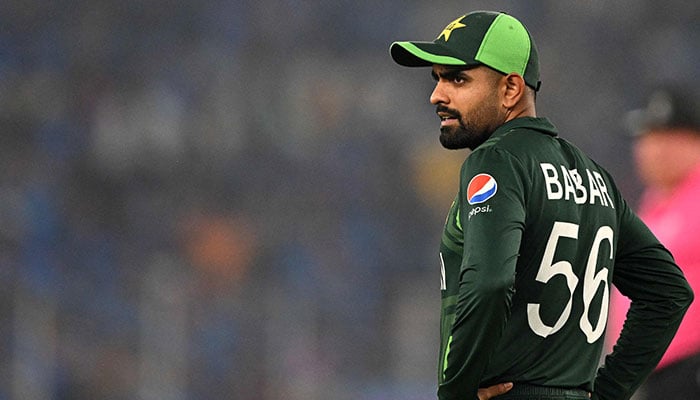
(438, 96)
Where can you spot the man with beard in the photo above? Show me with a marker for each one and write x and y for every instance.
(535, 237)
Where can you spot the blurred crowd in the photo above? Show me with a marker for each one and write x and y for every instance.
(243, 199)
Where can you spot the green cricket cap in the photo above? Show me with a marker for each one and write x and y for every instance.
(494, 39)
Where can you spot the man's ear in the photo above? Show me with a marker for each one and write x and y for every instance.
(515, 90)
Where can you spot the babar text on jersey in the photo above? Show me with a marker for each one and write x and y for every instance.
(567, 184)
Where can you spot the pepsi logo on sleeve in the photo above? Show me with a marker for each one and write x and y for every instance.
(481, 188)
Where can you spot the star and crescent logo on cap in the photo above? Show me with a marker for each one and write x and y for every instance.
(456, 24)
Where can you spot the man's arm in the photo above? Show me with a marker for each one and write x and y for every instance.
(646, 273)
(486, 284)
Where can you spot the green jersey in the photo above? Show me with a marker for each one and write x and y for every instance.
(536, 236)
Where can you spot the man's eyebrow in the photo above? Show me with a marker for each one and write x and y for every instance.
(449, 73)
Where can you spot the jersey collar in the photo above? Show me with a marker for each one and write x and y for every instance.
(540, 124)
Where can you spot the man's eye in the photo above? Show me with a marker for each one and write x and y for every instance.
(458, 79)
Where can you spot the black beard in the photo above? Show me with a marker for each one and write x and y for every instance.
(463, 135)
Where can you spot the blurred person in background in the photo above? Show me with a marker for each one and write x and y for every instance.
(667, 159)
